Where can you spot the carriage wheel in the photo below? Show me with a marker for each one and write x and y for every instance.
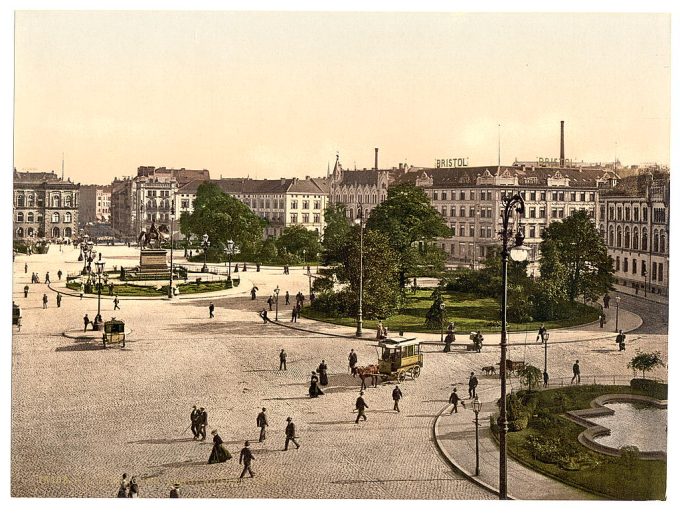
(415, 372)
(401, 376)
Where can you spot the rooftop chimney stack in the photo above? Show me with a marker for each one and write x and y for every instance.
(376, 159)
(561, 143)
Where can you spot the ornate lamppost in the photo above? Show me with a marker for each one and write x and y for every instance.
(276, 291)
(172, 244)
(100, 271)
(205, 245)
(476, 407)
(618, 300)
(546, 336)
(360, 320)
(511, 205)
(442, 307)
(229, 249)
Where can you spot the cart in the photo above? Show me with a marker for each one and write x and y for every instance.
(16, 316)
(400, 357)
(114, 332)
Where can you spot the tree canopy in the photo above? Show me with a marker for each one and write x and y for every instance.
(222, 217)
(336, 233)
(299, 241)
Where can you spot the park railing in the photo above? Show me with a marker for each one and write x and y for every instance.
(593, 379)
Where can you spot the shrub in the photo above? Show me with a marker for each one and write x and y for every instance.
(630, 455)
(650, 387)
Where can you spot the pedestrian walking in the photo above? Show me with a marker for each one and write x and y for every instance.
(26, 291)
(577, 373)
(263, 315)
(621, 340)
(294, 314)
(290, 434)
(195, 417)
(472, 385)
(545, 379)
(360, 405)
(314, 390)
(202, 422)
(133, 490)
(116, 301)
(287, 297)
(59, 274)
(605, 299)
(47, 278)
(453, 399)
(282, 360)
(44, 301)
(123, 487)
(86, 321)
(174, 491)
(211, 310)
(219, 453)
(25, 268)
(262, 423)
(541, 334)
(58, 299)
(253, 291)
(322, 369)
(270, 302)
(396, 396)
(352, 359)
(602, 321)
(246, 458)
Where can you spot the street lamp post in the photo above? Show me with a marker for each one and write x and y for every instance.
(205, 245)
(100, 271)
(519, 253)
(230, 251)
(276, 291)
(309, 275)
(172, 243)
(618, 300)
(442, 307)
(360, 320)
(476, 407)
(546, 336)
(644, 275)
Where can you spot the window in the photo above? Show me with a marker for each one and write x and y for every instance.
(267, 203)
(643, 268)
(553, 213)
(462, 211)
(656, 241)
(541, 212)
(305, 205)
(591, 196)
(435, 195)
(572, 196)
(625, 265)
(317, 204)
(644, 239)
(444, 211)
(601, 211)
(654, 271)
(554, 195)
(305, 218)
(636, 238)
(20, 217)
(453, 230)
(317, 218)
(453, 211)
(627, 213)
(532, 195)
(20, 200)
(634, 266)
(636, 213)
(294, 205)
(294, 217)
(543, 195)
(660, 271)
(644, 214)
(472, 195)
(472, 212)
(560, 213)
(472, 230)
(611, 235)
(30, 201)
(462, 230)
(29, 217)
(618, 236)
(482, 212)
(611, 212)
(583, 196)
(443, 195)
(532, 232)
(462, 195)
(185, 204)
(67, 217)
(55, 217)
(619, 213)
(626, 238)
(618, 264)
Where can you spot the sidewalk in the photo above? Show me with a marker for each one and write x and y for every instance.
(653, 297)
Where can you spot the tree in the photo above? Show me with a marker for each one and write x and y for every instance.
(223, 217)
(406, 217)
(299, 241)
(530, 376)
(336, 233)
(435, 318)
(574, 257)
(646, 362)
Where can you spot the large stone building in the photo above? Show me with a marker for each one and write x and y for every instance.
(149, 197)
(634, 221)
(95, 204)
(284, 202)
(45, 206)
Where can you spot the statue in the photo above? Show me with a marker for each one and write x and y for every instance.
(151, 239)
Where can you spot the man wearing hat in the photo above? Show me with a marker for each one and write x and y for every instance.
(202, 422)
(246, 458)
(360, 406)
(262, 423)
(290, 434)
(195, 415)
(174, 491)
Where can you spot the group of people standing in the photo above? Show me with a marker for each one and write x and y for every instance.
(128, 488)
(320, 378)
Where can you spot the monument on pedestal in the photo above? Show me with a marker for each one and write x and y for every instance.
(152, 259)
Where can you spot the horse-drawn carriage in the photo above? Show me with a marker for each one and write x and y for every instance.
(398, 357)
(114, 333)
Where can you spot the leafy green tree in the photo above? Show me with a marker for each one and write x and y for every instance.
(223, 217)
(299, 241)
(530, 376)
(435, 318)
(574, 256)
(646, 362)
(336, 233)
(406, 217)
(268, 251)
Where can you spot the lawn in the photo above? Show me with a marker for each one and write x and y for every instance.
(468, 311)
(128, 289)
(609, 476)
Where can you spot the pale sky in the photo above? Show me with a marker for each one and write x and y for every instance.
(277, 94)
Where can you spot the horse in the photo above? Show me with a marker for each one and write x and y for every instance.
(367, 371)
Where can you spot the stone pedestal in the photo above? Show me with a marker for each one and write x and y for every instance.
(152, 260)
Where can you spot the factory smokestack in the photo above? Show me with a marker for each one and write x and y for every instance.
(561, 143)
(376, 158)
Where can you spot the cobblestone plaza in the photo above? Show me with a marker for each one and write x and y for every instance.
(82, 415)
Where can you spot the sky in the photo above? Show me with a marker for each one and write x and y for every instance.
(274, 94)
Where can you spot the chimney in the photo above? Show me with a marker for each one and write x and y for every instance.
(561, 143)
(376, 159)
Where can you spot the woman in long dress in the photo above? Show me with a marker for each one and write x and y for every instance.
(219, 452)
(323, 373)
(314, 390)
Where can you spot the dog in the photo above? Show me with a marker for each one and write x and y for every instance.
(490, 369)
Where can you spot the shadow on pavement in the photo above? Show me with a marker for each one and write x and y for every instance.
(82, 346)
(161, 441)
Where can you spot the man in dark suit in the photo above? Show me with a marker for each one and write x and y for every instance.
(282, 360)
(202, 422)
(174, 491)
(360, 405)
(246, 457)
(290, 434)
(262, 423)
(396, 396)
(195, 416)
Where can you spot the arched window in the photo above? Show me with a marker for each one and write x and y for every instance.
(55, 231)
(55, 217)
(662, 243)
(30, 201)
(611, 235)
(351, 214)
(56, 202)
(29, 232)
(618, 263)
(656, 241)
(20, 233)
(20, 200)
(636, 238)
(602, 233)
(626, 237)
(618, 236)
(644, 239)
(67, 200)
(68, 232)
(29, 217)
(20, 217)
(67, 217)
(149, 204)
(39, 218)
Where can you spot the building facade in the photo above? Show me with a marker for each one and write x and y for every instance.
(634, 222)
(45, 206)
(95, 204)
